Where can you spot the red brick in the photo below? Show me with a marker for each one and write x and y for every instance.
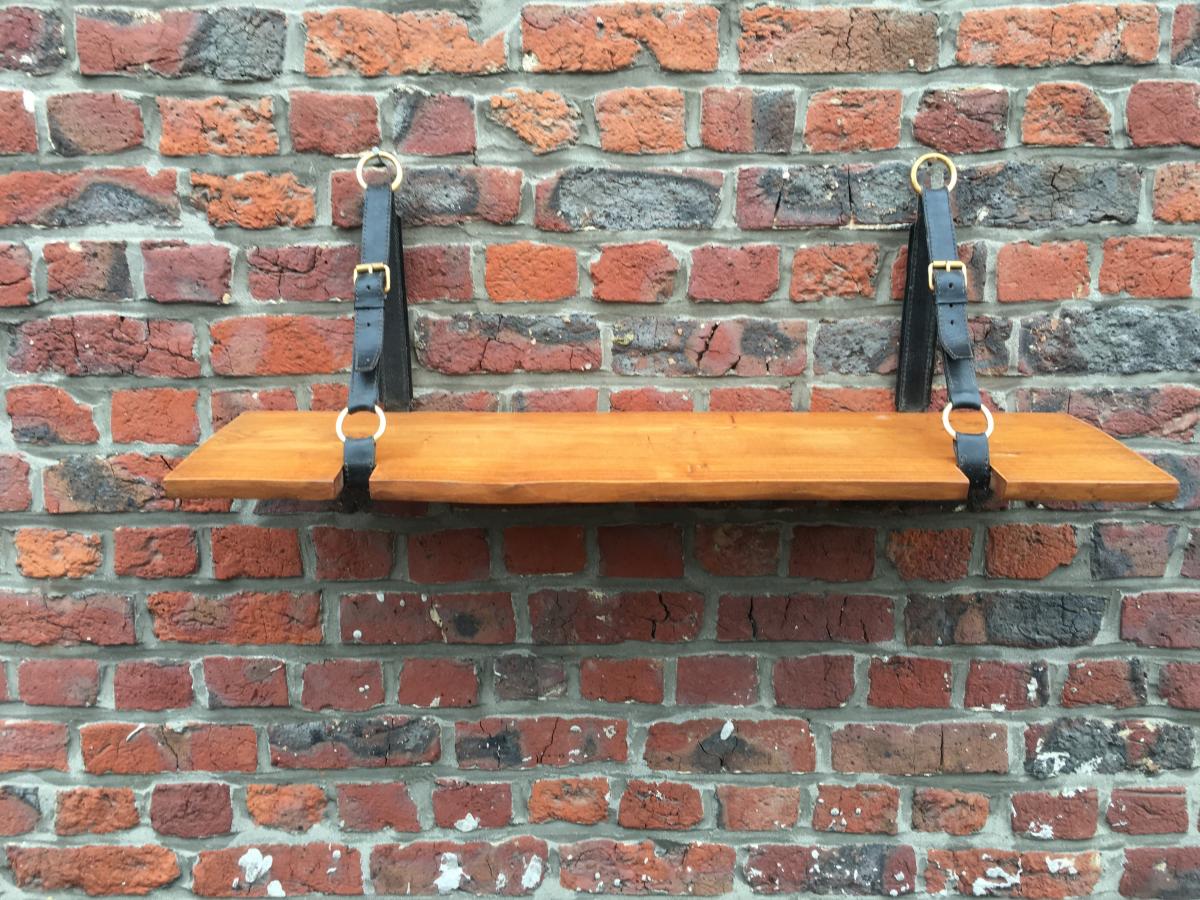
(769, 746)
(523, 743)
(105, 345)
(32, 746)
(1149, 267)
(660, 805)
(1164, 113)
(1162, 619)
(84, 124)
(1067, 816)
(743, 120)
(354, 684)
(701, 870)
(1109, 682)
(854, 39)
(20, 136)
(433, 124)
(443, 556)
(967, 120)
(254, 200)
(122, 748)
(621, 680)
(1075, 34)
(438, 272)
(16, 275)
(1179, 685)
(1177, 193)
(814, 682)
(847, 618)
(53, 199)
(848, 121)
(317, 868)
(746, 808)
(737, 550)
(525, 271)
(1065, 115)
(280, 345)
(152, 686)
(832, 553)
(514, 867)
(834, 270)
(177, 272)
(217, 126)
(936, 748)
(909, 682)
(483, 618)
(54, 553)
(1029, 551)
(1041, 272)
(1148, 810)
(750, 399)
(94, 870)
(1159, 871)
(928, 555)
(306, 272)
(611, 37)
(545, 120)
(19, 811)
(376, 806)
(160, 552)
(466, 807)
(997, 685)
(1048, 874)
(953, 812)
(650, 400)
(581, 801)
(747, 274)
(641, 120)
(521, 676)
(33, 40)
(634, 273)
(155, 416)
(717, 679)
(553, 400)
(40, 620)
(370, 42)
(346, 554)
(439, 683)
(589, 617)
(243, 618)
(544, 549)
(973, 256)
(198, 810)
(241, 681)
(333, 124)
(59, 682)
(640, 551)
(1168, 412)
(251, 551)
(290, 807)
(41, 414)
(1185, 34)
(861, 809)
(95, 811)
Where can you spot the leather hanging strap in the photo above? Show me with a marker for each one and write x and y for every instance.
(935, 317)
(380, 374)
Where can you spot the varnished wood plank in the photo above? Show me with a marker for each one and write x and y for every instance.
(680, 457)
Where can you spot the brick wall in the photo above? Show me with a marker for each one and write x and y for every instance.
(608, 208)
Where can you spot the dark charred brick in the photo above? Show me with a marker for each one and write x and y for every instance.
(862, 869)
(432, 124)
(96, 484)
(499, 743)
(881, 195)
(1166, 873)
(19, 810)
(795, 197)
(1048, 194)
(688, 347)
(1170, 411)
(88, 197)
(626, 200)
(845, 618)
(385, 741)
(1091, 746)
(524, 677)
(87, 270)
(743, 120)
(590, 617)
(1185, 35)
(857, 346)
(31, 40)
(1004, 618)
(1111, 340)
(465, 344)
(739, 745)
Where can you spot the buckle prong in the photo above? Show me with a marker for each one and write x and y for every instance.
(947, 265)
(368, 268)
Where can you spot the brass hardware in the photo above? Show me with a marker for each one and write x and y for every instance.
(934, 157)
(368, 268)
(386, 158)
(947, 265)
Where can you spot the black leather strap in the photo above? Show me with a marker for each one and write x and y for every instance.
(380, 373)
(937, 319)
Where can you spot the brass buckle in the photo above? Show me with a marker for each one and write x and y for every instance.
(368, 268)
(947, 265)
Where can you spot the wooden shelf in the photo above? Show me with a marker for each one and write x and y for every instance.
(518, 458)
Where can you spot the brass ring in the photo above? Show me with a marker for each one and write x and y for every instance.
(934, 157)
(376, 153)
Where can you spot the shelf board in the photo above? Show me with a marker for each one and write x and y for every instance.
(521, 458)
